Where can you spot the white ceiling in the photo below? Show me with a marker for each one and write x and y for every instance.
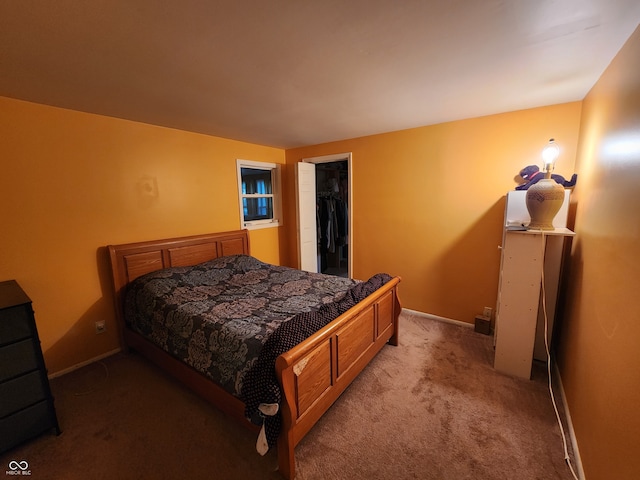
(289, 73)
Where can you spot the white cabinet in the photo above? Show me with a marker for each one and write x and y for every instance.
(528, 256)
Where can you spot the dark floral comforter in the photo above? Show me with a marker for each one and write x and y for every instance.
(217, 315)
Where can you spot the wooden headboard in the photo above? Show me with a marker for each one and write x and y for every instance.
(131, 260)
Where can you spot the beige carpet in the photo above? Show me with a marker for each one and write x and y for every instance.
(432, 408)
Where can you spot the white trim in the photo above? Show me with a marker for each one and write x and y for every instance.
(334, 157)
(85, 363)
(341, 157)
(439, 319)
(255, 164)
(257, 224)
(572, 434)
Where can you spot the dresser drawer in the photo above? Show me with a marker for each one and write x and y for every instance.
(25, 424)
(15, 323)
(17, 358)
(21, 392)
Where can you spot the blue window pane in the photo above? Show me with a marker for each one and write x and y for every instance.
(257, 208)
(255, 180)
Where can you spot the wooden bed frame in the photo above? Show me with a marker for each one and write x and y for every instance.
(312, 375)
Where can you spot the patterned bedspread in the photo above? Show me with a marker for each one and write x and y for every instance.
(216, 316)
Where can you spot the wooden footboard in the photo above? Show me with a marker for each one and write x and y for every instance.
(312, 375)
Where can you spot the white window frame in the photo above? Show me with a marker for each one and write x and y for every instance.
(276, 194)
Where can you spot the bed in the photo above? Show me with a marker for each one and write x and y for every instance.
(311, 369)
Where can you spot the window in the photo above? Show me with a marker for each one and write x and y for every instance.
(259, 188)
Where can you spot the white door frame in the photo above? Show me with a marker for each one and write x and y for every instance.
(340, 157)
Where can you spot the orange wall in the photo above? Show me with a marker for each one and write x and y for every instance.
(601, 336)
(72, 183)
(428, 203)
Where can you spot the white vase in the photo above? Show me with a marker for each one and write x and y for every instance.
(544, 200)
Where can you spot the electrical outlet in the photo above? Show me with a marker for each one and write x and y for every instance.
(101, 327)
(487, 312)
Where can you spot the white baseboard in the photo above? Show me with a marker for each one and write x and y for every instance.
(84, 364)
(572, 435)
(439, 319)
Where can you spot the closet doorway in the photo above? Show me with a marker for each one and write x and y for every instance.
(324, 244)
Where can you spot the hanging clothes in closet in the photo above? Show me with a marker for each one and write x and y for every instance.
(332, 224)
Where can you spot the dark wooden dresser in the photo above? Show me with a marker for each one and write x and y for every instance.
(26, 404)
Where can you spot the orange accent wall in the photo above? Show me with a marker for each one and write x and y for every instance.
(72, 183)
(600, 360)
(428, 203)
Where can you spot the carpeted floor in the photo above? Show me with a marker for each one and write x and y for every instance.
(431, 408)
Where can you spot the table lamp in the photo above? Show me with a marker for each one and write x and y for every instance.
(544, 198)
